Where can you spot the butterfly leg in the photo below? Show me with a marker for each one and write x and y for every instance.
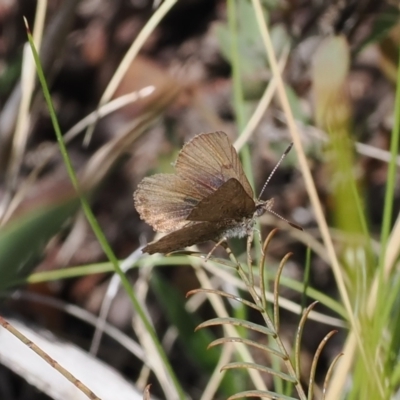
(220, 242)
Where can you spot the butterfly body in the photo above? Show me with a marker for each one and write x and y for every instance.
(208, 198)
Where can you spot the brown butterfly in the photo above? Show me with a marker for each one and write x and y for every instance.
(208, 198)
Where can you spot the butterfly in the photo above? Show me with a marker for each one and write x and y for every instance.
(208, 197)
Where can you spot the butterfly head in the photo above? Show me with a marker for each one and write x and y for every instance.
(262, 206)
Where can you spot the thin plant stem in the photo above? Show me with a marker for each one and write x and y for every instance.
(315, 362)
(390, 186)
(270, 325)
(53, 363)
(306, 279)
(299, 335)
(276, 292)
(238, 97)
(262, 268)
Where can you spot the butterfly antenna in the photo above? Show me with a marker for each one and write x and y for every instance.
(284, 219)
(273, 171)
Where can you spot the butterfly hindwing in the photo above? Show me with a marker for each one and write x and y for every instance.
(229, 201)
(187, 236)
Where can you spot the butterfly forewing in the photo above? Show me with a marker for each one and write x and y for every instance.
(229, 201)
(165, 200)
(209, 160)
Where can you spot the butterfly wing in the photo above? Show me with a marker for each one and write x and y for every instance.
(228, 202)
(204, 164)
(208, 161)
(165, 200)
(187, 236)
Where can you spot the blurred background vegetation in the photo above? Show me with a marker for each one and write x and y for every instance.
(131, 81)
